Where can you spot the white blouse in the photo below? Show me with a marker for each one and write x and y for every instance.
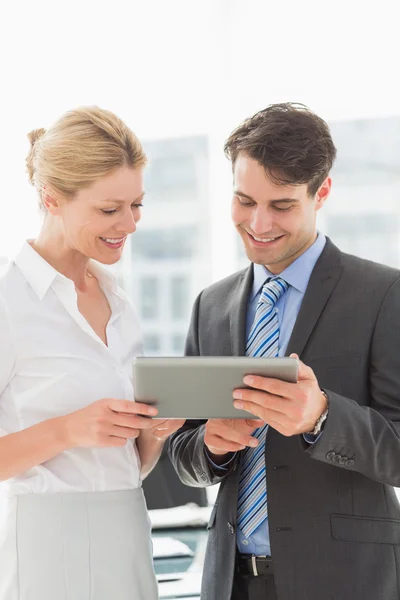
(53, 363)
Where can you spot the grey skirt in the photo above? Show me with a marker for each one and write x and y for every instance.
(78, 546)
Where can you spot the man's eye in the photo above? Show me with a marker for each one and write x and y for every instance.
(282, 209)
(244, 202)
(109, 212)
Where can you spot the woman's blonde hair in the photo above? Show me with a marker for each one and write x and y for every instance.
(82, 146)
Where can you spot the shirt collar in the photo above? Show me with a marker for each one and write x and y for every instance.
(41, 275)
(297, 274)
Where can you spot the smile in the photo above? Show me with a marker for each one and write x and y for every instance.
(113, 242)
(263, 241)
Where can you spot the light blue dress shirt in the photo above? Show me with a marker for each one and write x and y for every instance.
(297, 275)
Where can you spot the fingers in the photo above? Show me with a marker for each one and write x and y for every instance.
(278, 387)
(305, 372)
(131, 407)
(280, 427)
(261, 410)
(221, 446)
(124, 432)
(285, 423)
(131, 421)
(275, 387)
(222, 432)
(245, 398)
(255, 423)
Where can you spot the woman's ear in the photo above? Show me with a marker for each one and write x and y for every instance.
(50, 201)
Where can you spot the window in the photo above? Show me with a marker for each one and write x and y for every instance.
(149, 298)
(178, 343)
(163, 244)
(363, 235)
(179, 297)
(362, 215)
(171, 173)
(151, 343)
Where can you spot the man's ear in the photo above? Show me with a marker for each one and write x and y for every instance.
(323, 192)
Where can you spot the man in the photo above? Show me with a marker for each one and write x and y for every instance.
(306, 509)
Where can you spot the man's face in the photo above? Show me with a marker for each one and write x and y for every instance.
(277, 223)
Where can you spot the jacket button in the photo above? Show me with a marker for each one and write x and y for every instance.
(350, 462)
(343, 460)
(331, 455)
(231, 527)
(337, 458)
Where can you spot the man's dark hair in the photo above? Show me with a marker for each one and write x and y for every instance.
(292, 143)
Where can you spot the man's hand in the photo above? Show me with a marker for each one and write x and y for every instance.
(230, 435)
(290, 408)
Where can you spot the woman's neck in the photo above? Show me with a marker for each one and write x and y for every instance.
(52, 246)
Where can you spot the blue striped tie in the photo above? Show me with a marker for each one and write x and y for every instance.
(263, 340)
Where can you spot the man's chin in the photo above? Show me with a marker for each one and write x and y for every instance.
(261, 257)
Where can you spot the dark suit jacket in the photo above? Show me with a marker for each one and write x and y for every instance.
(334, 516)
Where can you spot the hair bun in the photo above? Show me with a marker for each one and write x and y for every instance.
(35, 134)
(33, 137)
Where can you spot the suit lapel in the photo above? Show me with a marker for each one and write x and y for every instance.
(322, 282)
(238, 312)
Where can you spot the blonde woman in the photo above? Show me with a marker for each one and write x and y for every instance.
(74, 446)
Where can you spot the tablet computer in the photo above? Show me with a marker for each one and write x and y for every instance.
(200, 387)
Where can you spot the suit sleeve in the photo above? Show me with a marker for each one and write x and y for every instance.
(186, 446)
(366, 439)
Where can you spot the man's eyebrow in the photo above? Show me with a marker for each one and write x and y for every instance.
(118, 201)
(242, 195)
(285, 200)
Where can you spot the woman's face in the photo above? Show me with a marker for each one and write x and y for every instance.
(99, 219)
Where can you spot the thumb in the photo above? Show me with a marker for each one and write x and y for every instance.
(254, 422)
(305, 372)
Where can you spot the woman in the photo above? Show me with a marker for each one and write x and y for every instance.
(74, 446)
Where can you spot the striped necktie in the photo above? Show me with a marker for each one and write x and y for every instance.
(263, 340)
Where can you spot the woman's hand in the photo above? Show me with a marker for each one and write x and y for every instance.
(151, 441)
(163, 428)
(106, 423)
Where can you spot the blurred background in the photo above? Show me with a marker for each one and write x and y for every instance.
(183, 74)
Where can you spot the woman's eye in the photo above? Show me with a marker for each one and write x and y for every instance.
(111, 211)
